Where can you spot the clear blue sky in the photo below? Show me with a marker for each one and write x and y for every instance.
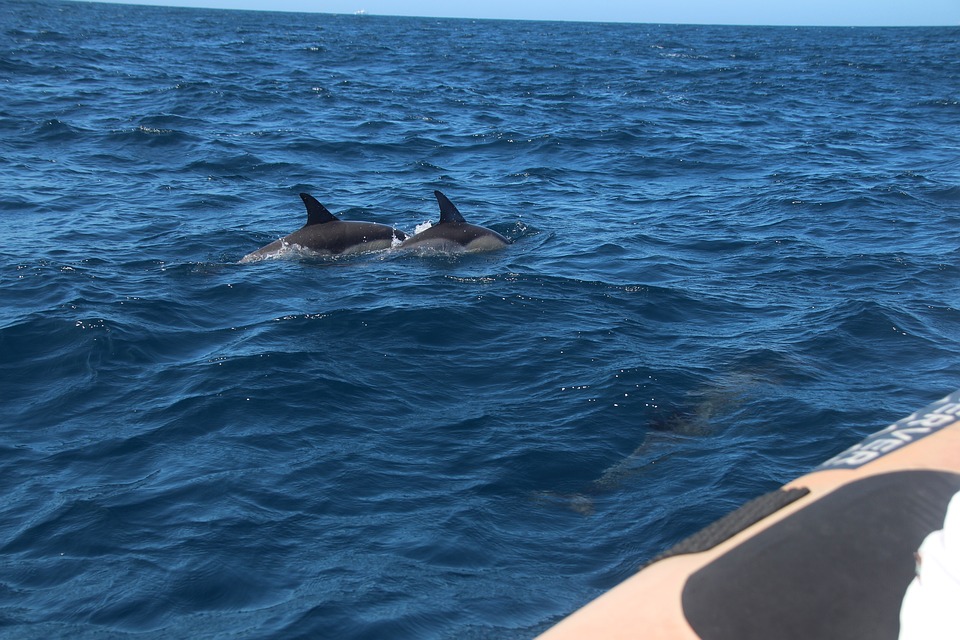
(776, 12)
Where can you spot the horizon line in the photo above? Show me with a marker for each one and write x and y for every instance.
(361, 14)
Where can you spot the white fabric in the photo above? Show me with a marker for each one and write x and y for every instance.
(931, 606)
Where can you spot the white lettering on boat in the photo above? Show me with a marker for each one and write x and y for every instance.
(901, 433)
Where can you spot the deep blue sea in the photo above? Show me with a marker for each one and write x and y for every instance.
(736, 252)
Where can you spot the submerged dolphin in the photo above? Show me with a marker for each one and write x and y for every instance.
(453, 233)
(327, 234)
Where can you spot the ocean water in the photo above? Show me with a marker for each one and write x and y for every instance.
(735, 254)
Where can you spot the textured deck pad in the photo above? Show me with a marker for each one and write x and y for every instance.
(836, 569)
(734, 522)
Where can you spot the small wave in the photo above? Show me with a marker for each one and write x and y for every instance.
(55, 130)
(945, 195)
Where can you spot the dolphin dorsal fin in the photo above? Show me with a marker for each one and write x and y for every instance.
(448, 212)
(316, 212)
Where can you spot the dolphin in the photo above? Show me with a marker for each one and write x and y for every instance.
(454, 234)
(326, 234)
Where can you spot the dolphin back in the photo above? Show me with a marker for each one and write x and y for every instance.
(325, 234)
(453, 234)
